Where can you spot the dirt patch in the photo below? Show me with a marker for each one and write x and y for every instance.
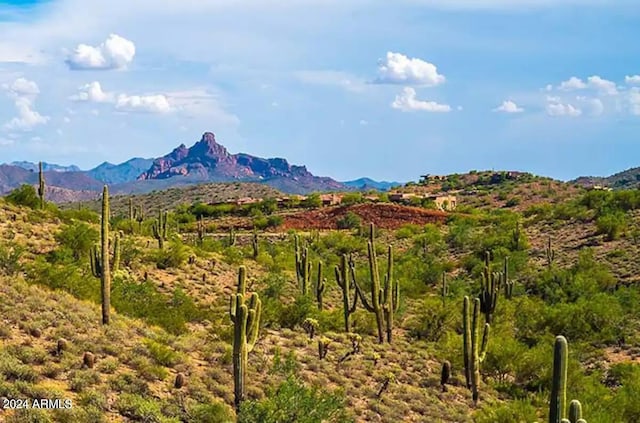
(385, 216)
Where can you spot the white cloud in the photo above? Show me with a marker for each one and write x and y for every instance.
(93, 92)
(22, 88)
(602, 85)
(335, 78)
(115, 52)
(24, 93)
(27, 117)
(572, 83)
(634, 101)
(397, 68)
(5, 141)
(407, 102)
(146, 103)
(364, 122)
(560, 109)
(595, 105)
(632, 80)
(508, 106)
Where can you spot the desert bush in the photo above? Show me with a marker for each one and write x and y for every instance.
(174, 256)
(349, 221)
(10, 254)
(78, 237)
(612, 225)
(25, 195)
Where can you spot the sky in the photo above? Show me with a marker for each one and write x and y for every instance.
(385, 89)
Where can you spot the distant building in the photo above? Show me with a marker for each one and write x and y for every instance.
(331, 199)
(431, 179)
(443, 202)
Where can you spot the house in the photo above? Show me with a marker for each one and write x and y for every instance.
(246, 200)
(445, 202)
(431, 179)
(331, 199)
(403, 197)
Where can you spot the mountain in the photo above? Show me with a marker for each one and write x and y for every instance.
(110, 173)
(365, 184)
(46, 167)
(627, 179)
(207, 160)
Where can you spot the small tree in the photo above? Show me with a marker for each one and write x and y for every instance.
(25, 195)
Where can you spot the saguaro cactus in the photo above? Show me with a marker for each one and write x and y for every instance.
(255, 245)
(506, 282)
(159, 228)
(384, 300)
(444, 289)
(303, 266)
(444, 375)
(474, 350)
(342, 279)
(515, 237)
(41, 185)
(558, 403)
(549, 252)
(246, 320)
(489, 293)
(100, 265)
(320, 286)
(232, 237)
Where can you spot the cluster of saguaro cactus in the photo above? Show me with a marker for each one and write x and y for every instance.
(100, 266)
(159, 228)
(549, 252)
(303, 266)
(385, 299)
(342, 279)
(474, 350)
(319, 287)
(506, 282)
(489, 290)
(515, 237)
(41, 186)
(255, 245)
(245, 315)
(558, 403)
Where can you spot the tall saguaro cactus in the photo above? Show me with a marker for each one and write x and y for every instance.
(474, 350)
(245, 316)
(41, 185)
(558, 404)
(100, 266)
(303, 266)
(320, 286)
(384, 300)
(159, 228)
(549, 252)
(342, 279)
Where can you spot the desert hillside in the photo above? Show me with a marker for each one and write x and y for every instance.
(560, 266)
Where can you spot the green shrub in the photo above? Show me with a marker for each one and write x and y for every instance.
(78, 237)
(612, 225)
(10, 254)
(25, 195)
(349, 221)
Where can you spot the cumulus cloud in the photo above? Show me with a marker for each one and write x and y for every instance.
(602, 85)
(93, 92)
(594, 105)
(632, 80)
(24, 93)
(22, 88)
(115, 52)
(397, 68)
(508, 106)
(572, 83)
(27, 117)
(146, 103)
(634, 101)
(554, 108)
(407, 102)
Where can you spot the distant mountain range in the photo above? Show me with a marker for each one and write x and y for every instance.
(205, 161)
(626, 179)
(365, 184)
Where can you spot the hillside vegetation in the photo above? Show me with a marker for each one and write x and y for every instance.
(169, 350)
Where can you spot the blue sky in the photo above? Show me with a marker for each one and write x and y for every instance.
(389, 90)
